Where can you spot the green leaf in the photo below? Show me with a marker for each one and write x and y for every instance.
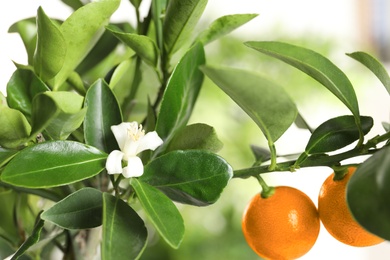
(69, 113)
(136, 3)
(31, 240)
(141, 44)
(44, 110)
(181, 93)
(27, 30)
(23, 86)
(193, 177)
(81, 31)
(8, 229)
(52, 164)
(316, 66)
(124, 232)
(6, 155)
(80, 210)
(196, 136)
(223, 26)
(374, 65)
(368, 194)
(180, 20)
(158, 10)
(14, 130)
(161, 212)
(50, 52)
(102, 112)
(75, 4)
(265, 102)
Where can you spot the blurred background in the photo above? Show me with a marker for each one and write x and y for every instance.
(329, 27)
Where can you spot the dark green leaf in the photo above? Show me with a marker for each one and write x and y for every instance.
(124, 232)
(300, 122)
(44, 110)
(181, 93)
(223, 26)
(80, 210)
(14, 130)
(374, 65)
(27, 30)
(50, 52)
(23, 86)
(141, 44)
(193, 177)
(6, 155)
(8, 229)
(75, 4)
(31, 240)
(102, 112)
(161, 212)
(316, 66)
(136, 3)
(53, 163)
(368, 194)
(336, 133)
(81, 31)
(180, 20)
(265, 102)
(196, 136)
(69, 113)
(261, 154)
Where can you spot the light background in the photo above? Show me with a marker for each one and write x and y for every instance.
(348, 22)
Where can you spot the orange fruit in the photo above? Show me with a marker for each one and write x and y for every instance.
(336, 216)
(282, 226)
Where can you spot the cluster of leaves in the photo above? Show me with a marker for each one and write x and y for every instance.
(79, 81)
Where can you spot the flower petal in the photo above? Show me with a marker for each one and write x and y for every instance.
(120, 133)
(134, 168)
(114, 162)
(149, 142)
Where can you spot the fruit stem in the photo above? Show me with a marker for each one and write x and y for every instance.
(267, 191)
(339, 172)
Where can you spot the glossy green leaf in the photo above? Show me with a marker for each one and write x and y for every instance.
(80, 210)
(374, 65)
(144, 46)
(31, 240)
(180, 19)
(53, 163)
(316, 66)
(44, 110)
(81, 31)
(27, 30)
(23, 86)
(161, 211)
(368, 194)
(196, 136)
(50, 51)
(124, 232)
(337, 133)
(265, 102)
(14, 130)
(181, 93)
(158, 10)
(223, 26)
(102, 112)
(193, 177)
(6, 155)
(69, 116)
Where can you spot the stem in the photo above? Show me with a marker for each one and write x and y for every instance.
(47, 194)
(266, 191)
(272, 149)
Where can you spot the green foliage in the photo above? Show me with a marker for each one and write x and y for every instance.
(57, 145)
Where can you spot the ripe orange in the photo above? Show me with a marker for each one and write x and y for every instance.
(282, 226)
(336, 217)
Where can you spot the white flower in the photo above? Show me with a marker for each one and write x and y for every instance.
(131, 140)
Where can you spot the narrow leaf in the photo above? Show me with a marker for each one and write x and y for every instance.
(53, 163)
(180, 20)
(181, 93)
(367, 194)
(161, 212)
(141, 44)
(14, 130)
(80, 210)
(6, 155)
(374, 65)
(102, 112)
(193, 177)
(223, 26)
(196, 136)
(316, 66)
(265, 102)
(124, 232)
(50, 51)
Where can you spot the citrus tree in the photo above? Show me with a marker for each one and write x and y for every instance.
(94, 136)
